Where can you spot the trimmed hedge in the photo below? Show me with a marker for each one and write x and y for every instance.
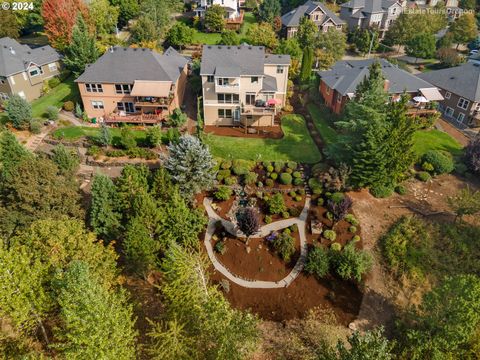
(285, 178)
(441, 161)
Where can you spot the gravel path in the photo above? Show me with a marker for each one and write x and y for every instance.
(264, 231)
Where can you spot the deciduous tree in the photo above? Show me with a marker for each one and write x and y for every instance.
(421, 46)
(104, 15)
(215, 18)
(230, 37)
(290, 47)
(9, 26)
(128, 9)
(307, 32)
(180, 35)
(464, 29)
(262, 35)
(332, 45)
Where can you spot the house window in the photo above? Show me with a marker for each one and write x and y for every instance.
(52, 67)
(339, 98)
(223, 81)
(225, 113)
(228, 98)
(460, 117)
(126, 106)
(94, 88)
(123, 88)
(210, 78)
(279, 69)
(448, 94)
(97, 104)
(3, 80)
(449, 111)
(250, 99)
(463, 103)
(254, 79)
(35, 72)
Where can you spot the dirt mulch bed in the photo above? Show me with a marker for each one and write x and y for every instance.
(261, 263)
(263, 132)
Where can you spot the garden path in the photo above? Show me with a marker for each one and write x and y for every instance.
(264, 231)
(34, 141)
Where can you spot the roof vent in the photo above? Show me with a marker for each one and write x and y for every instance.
(476, 64)
(135, 49)
(143, 49)
(228, 47)
(249, 48)
(110, 49)
(124, 49)
(11, 50)
(452, 77)
(209, 47)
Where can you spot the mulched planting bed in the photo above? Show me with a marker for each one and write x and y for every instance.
(263, 132)
(261, 263)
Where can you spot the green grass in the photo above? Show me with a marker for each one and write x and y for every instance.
(426, 140)
(73, 133)
(206, 38)
(320, 116)
(248, 20)
(67, 90)
(296, 145)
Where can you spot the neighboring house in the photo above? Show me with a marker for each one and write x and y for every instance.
(231, 7)
(460, 86)
(318, 12)
(242, 86)
(133, 85)
(367, 14)
(338, 85)
(23, 69)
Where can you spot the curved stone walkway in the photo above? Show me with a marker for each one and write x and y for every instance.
(264, 231)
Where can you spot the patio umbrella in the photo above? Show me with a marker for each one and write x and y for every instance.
(420, 99)
(273, 101)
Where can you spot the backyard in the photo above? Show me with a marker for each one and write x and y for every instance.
(73, 133)
(296, 145)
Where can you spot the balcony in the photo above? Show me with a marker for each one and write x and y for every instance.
(136, 118)
(153, 101)
(257, 110)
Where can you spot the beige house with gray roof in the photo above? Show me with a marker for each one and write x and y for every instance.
(242, 85)
(23, 70)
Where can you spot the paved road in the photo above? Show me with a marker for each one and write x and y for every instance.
(264, 231)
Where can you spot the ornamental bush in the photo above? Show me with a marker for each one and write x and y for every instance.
(381, 191)
(330, 235)
(352, 229)
(250, 178)
(298, 181)
(441, 161)
(68, 106)
(274, 176)
(127, 140)
(472, 156)
(242, 167)
(223, 174)
(297, 174)
(292, 165)
(269, 182)
(292, 193)
(19, 112)
(52, 113)
(423, 176)
(268, 219)
(285, 178)
(427, 166)
(318, 262)
(223, 193)
(285, 214)
(400, 190)
(350, 218)
(276, 204)
(279, 165)
(298, 198)
(225, 165)
(284, 245)
(269, 168)
(336, 246)
(35, 126)
(295, 211)
(231, 180)
(337, 197)
(350, 263)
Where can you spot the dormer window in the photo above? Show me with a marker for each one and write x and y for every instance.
(35, 72)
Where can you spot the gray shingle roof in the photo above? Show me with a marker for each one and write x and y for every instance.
(293, 17)
(370, 6)
(463, 80)
(234, 61)
(346, 75)
(15, 58)
(269, 83)
(125, 65)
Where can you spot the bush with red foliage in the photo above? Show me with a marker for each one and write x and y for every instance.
(247, 220)
(472, 155)
(340, 208)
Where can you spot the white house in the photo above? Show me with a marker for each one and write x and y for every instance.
(231, 7)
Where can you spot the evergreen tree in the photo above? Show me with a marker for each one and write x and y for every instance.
(132, 181)
(66, 160)
(19, 111)
(191, 165)
(128, 10)
(307, 63)
(370, 345)
(11, 153)
(82, 50)
(96, 322)
(139, 246)
(104, 215)
(105, 136)
(104, 15)
(268, 10)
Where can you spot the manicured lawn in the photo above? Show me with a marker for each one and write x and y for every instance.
(435, 140)
(67, 90)
(206, 38)
(76, 132)
(296, 145)
(323, 122)
(248, 20)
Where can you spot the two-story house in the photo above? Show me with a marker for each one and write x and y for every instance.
(231, 7)
(242, 85)
(318, 12)
(23, 69)
(367, 14)
(460, 86)
(133, 85)
(338, 85)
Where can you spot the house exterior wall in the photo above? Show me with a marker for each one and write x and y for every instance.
(383, 19)
(471, 115)
(30, 88)
(233, 4)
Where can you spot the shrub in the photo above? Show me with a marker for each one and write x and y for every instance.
(292, 165)
(171, 136)
(293, 228)
(285, 214)
(223, 193)
(298, 198)
(220, 247)
(274, 176)
(53, 82)
(294, 211)
(298, 182)
(314, 183)
(461, 168)
(276, 204)
(68, 106)
(329, 216)
(269, 182)
(78, 111)
(297, 174)
(35, 126)
(177, 118)
(381, 191)
(320, 201)
(350, 263)
(127, 140)
(154, 136)
(301, 192)
(260, 184)
(19, 111)
(269, 168)
(250, 178)
(427, 166)
(266, 164)
(292, 193)
(94, 150)
(356, 238)
(441, 161)
(223, 174)
(242, 167)
(247, 219)
(141, 153)
(336, 246)
(287, 231)
(284, 245)
(339, 209)
(400, 190)
(288, 170)
(352, 229)
(423, 176)
(337, 197)
(285, 178)
(472, 156)
(225, 165)
(330, 235)
(350, 218)
(231, 180)
(318, 262)
(52, 113)
(268, 219)
(279, 166)
(115, 153)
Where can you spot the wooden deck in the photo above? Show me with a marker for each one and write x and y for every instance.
(421, 112)
(135, 119)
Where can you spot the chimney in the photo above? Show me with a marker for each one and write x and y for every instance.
(386, 85)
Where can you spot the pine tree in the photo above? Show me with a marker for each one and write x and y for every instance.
(11, 153)
(105, 136)
(191, 165)
(82, 50)
(307, 63)
(96, 322)
(19, 112)
(66, 160)
(104, 215)
(139, 246)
